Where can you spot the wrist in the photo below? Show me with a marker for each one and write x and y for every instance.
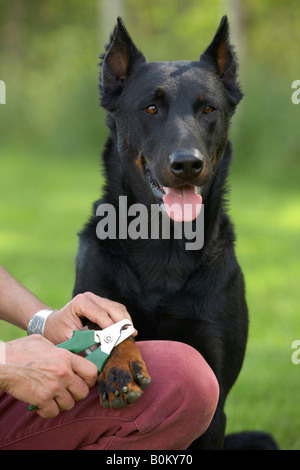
(7, 370)
(2, 353)
(37, 322)
(4, 377)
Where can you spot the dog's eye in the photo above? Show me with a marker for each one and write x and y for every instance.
(152, 109)
(208, 109)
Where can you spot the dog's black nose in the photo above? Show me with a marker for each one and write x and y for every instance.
(186, 164)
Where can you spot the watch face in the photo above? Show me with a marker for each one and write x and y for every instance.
(37, 322)
(36, 325)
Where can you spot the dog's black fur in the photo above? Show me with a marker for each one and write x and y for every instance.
(159, 113)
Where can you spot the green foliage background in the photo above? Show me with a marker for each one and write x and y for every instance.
(52, 132)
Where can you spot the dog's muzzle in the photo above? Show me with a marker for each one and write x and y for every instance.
(182, 204)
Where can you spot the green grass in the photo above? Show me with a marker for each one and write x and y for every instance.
(268, 225)
(46, 199)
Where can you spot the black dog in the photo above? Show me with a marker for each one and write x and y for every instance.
(168, 146)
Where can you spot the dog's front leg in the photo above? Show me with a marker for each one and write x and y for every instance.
(213, 438)
(124, 376)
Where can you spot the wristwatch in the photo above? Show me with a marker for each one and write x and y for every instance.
(37, 322)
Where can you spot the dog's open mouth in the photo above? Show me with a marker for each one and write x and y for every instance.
(182, 204)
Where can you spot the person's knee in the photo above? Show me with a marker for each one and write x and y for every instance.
(187, 388)
(196, 384)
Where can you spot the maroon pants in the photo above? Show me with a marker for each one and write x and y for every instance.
(176, 408)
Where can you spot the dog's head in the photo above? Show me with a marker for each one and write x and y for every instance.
(170, 119)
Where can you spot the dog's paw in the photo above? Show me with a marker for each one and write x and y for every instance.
(124, 376)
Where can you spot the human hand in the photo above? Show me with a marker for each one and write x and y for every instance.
(60, 324)
(51, 378)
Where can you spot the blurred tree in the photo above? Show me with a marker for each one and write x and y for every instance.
(236, 11)
(109, 10)
(49, 54)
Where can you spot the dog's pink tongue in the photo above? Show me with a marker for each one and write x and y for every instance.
(183, 204)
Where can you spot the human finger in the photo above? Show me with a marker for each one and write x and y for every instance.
(99, 310)
(49, 410)
(87, 373)
(65, 400)
(115, 310)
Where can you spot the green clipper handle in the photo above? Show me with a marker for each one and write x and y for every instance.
(98, 358)
(82, 340)
(79, 341)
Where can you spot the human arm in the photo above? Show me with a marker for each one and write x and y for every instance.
(18, 305)
(34, 370)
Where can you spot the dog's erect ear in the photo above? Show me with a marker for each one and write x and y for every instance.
(120, 56)
(220, 53)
